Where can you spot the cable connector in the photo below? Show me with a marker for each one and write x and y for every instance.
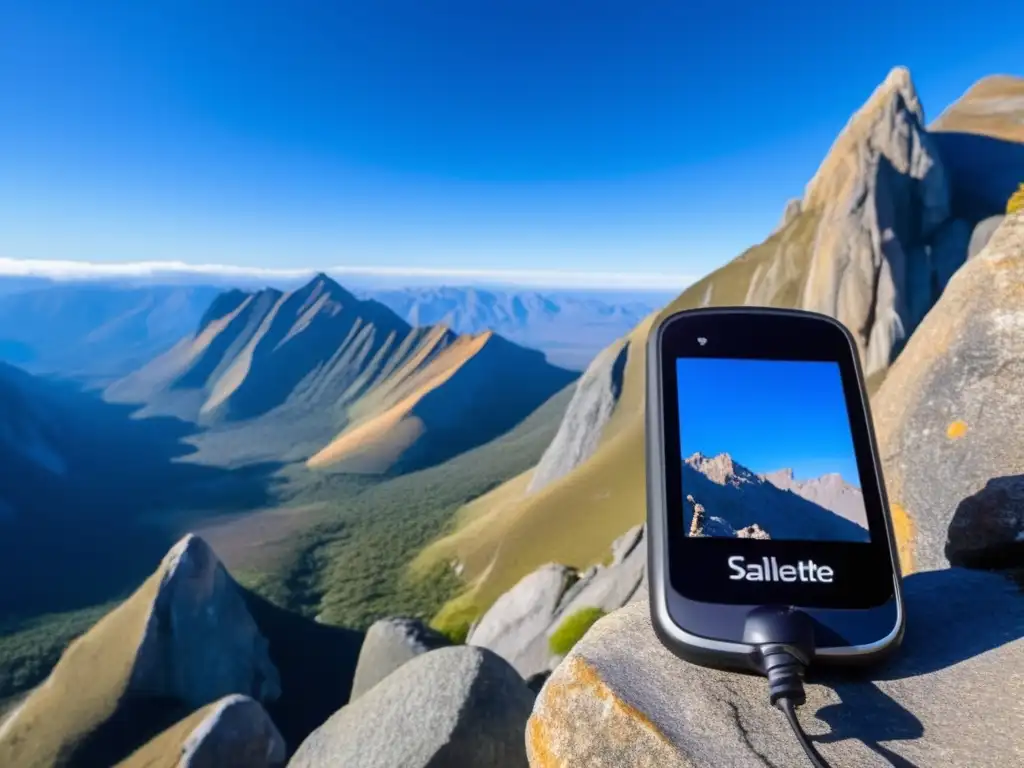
(783, 638)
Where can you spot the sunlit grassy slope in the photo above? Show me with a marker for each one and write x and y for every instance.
(506, 534)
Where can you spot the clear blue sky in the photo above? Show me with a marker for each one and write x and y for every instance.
(506, 134)
(767, 415)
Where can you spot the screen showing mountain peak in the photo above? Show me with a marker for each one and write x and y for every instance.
(767, 451)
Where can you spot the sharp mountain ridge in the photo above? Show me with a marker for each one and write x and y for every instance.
(737, 498)
(318, 374)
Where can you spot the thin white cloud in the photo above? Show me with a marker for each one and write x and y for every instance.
(169, 270)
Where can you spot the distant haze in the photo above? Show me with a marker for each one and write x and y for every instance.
(102, 327)
(170, 272)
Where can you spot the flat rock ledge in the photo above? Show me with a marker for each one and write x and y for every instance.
(953, 695)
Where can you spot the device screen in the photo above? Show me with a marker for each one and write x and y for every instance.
(767, 452)
(772, 493)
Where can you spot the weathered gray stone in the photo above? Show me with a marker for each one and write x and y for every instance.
(950, 697)
(982, 234)
(882, 193)
(592, 405)
(521, 622)
(514, 626)
(987, 530)
(458, 706)
(235, 733)
(626, 543)
(612, 587)
(950, 414)
(200, 642)
(390, 643)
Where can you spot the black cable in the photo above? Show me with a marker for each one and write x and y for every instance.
(789, 709)
(784, 639)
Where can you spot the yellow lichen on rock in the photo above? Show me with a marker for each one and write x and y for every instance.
(903, 529)
(1016, 201)
(576, 694)
(956, 429)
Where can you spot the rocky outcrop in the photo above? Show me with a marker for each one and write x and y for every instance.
(702, 524)
(883, 195)
(389, 644)
(621, 699)
(626, 544)
(592, 405)
(184, 639)
(200, 642)
(987, 529)
(235, 732)
(949, 414)
(609, 587)
(521, 622)
(514, 626)
(453, 706)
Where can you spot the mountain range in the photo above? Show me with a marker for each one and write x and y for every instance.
(264, 395)
(100, 330)
(94, 331)
(569, 327)
(321, 376)
(824, 508)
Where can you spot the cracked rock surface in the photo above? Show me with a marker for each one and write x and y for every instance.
(621, 699)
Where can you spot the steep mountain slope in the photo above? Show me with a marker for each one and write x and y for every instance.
(729, 491)
(478, 385)
(829, 491)
(95, 331)
(569, 327)
(872, 242)
(317, 374)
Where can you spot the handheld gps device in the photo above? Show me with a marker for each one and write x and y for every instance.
(770, 545)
